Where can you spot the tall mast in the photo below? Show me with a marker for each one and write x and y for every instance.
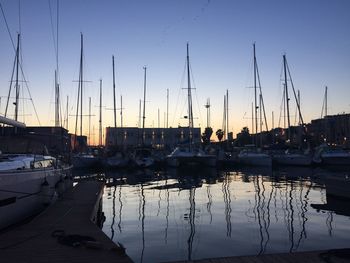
(255, 99)
(121, 111)
(224, 128)
(326, 100)
(167, 107)
(190, 114)
(227, 120)
(67, 112)
(100, 119)
(57, 102)
(260, 120)
(139, 122)
(114, 103)
(57, 86)
(286, 94)
(81, 84)
(207, 106)
(144, 106)
(17, 86)
(90, 121)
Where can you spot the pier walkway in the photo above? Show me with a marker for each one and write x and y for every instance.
(70, 221)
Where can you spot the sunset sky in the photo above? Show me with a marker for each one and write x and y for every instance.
(313, 34)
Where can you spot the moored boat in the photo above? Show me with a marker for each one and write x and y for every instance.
(183, 156)
(328, 155)
(293, 158)
(29, 182)
(253, 156)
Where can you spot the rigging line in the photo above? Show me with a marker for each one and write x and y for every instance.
(31, 99)
(7, 27)
(179, 93)
(195, 94)
(282, 103)
(52, 31)
(262, 98)
(19, 17)
(295, 96)
(9, 93)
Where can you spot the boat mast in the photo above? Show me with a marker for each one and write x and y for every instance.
(100, 119)
(67, 112)
(57, 101)
(81, 84)
(326, 100)
(207, 106)
(167, 108)
(90, 121)
(121, 111)
(190, 113)
(114, 103)
(255, 99)
(17, 86)
(286, 94)
(144, 106)
(227, 120)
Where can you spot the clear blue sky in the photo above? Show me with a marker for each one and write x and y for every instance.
(314, 35)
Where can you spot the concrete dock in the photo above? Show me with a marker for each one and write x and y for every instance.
(64, 232)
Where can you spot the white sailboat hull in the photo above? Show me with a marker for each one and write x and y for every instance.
(22, 194)
(189, 158)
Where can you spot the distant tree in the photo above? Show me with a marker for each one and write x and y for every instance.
(220, 134)
(206, 135)
(243, 137)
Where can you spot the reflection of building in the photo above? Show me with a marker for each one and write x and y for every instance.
(156, 137)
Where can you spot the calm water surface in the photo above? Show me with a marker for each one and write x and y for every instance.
(194, 214)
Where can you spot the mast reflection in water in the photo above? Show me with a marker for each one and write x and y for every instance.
(194, 214)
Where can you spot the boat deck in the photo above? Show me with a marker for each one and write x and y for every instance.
(71, 215)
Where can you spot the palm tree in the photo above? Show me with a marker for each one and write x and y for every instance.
(220, 134)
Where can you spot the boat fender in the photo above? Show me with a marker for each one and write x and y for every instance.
(46, 193)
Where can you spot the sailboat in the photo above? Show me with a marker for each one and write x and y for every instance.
(29, 176)
(82, 158)
(189, 154)
(250, 155)
(142, 156)
(116, 158)
(290, 156)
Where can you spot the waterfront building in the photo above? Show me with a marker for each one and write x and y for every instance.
(334, 129)
(162, 138)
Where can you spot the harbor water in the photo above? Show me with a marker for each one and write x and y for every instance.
(175, 214)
